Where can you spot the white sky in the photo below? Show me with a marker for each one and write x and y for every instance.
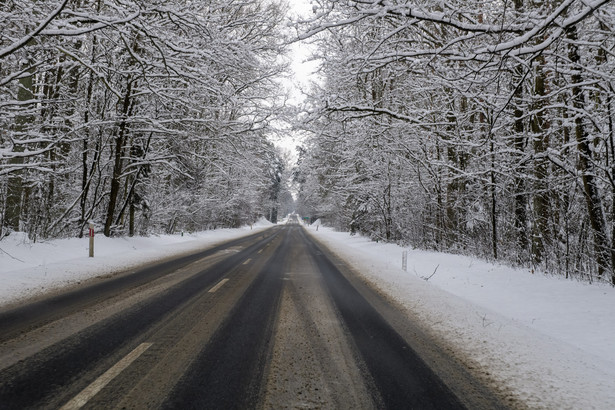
(302, 72)
(300, 51)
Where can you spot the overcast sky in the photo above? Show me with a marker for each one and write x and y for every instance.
(303, 71)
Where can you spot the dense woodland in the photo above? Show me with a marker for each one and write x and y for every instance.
(139, 116)
(478, 127)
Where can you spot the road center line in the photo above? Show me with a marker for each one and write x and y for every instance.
(218, 286)
(86, 394)
(246, 262)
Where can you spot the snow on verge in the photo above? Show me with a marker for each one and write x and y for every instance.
(28, 269)
(549, 341)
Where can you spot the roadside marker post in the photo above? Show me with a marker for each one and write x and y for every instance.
(404, 261)
(91, 235)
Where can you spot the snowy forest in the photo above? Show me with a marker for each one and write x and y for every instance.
(467, 126)
(139, 116)
(475, 127)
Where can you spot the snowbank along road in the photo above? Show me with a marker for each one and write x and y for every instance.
(271, 320)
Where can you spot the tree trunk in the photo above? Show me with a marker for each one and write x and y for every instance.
(592, 193)
(117, 164)
(520, 197)
(494, 219)
(131, 219)
(540, 143)
(612, 141)
(15, 186)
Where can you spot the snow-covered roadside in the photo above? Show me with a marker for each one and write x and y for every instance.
(550, 341)
(28, 269)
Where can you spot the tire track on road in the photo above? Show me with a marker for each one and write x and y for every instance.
(229, 371)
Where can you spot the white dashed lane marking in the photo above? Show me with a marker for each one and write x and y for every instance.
(86, 394)
(218, 286)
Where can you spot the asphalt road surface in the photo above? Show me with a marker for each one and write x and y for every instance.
(271, 320)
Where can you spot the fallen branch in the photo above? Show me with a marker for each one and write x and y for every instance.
(434, 272)
(11, 256)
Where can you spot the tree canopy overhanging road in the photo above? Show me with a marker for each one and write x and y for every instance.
(271, 320)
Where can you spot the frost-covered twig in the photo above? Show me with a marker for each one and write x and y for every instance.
(10, 256)
(434, 272)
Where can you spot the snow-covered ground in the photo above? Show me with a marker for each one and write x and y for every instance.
(548, 340)
(27, 268)
(551, 341)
